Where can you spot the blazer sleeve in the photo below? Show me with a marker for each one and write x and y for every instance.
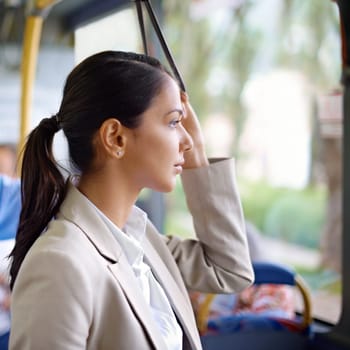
(218, 261)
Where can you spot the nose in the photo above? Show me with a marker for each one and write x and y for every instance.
(186, 141)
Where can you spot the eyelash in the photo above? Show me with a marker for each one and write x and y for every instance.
(173, 123)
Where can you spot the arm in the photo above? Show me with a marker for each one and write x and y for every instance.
(219, 261)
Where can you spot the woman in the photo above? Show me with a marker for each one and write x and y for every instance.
(89, 271)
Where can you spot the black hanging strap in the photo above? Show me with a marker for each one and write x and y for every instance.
(160, 36)
(142, 26)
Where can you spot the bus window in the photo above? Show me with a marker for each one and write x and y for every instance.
(272, 99)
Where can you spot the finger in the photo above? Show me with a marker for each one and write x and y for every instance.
(184, 96)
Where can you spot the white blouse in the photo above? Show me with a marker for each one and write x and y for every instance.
(130, 239)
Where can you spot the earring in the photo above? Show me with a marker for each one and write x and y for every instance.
(119, 153)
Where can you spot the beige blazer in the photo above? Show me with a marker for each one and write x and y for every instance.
(76, 290)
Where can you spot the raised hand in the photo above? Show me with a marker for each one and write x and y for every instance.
(196, 156)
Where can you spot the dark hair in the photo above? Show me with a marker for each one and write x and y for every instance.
(108, 84)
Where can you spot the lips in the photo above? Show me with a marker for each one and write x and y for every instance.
(180, 163)
(178, 167)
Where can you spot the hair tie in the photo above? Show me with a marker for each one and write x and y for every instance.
(57, 122)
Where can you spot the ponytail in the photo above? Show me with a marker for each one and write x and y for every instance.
(43, 189)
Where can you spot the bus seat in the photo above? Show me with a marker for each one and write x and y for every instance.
(258, 330)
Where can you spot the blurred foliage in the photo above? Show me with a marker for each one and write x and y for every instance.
(296, 216)
(306, 31)
(203, 49)
(179, 221)
(321, 278)
(235, 47)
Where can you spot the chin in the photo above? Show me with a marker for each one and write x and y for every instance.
(165, 187)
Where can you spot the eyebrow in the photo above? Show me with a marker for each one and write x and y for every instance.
(179, 110)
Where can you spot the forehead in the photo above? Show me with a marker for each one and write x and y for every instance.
(169, 94)
(167, 100)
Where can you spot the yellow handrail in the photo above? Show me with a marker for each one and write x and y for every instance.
(203, 313)
(31, 43)
(304, 291)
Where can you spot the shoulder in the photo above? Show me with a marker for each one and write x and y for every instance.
(66, 237)
(61, 264)
(64, 249)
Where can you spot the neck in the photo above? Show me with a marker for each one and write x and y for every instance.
(110, 194)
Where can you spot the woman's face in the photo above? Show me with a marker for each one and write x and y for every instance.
(155, 150)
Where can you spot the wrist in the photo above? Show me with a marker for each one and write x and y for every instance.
(195, 158)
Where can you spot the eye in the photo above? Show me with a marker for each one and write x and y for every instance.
(175, 122)
(178, 115)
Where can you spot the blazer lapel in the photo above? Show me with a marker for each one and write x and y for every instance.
(125, 276)
(76, 209)
(174, 294)
(81, 213)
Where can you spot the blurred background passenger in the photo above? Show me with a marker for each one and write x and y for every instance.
(8, 159)
(10, 206)
(271, 300)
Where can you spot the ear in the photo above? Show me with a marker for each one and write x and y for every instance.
(112, 137)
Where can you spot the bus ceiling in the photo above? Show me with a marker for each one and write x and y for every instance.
(69, 14)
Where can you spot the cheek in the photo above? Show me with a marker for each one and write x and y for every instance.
(157, 144)
(165, 141)
(168, 148)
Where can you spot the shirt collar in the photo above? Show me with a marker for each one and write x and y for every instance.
(131, 236)
(136, 223)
